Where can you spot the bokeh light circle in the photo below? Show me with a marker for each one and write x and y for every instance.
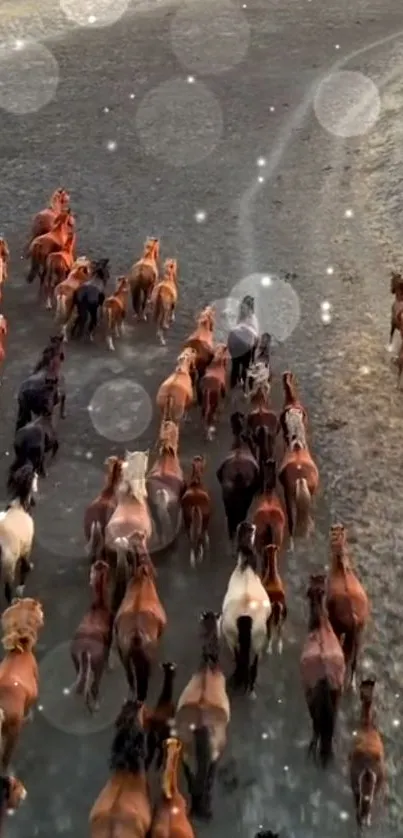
(29, 77)
(347, 103)
(94, 13)
(209, 37)
(120, 410)
(277, 306)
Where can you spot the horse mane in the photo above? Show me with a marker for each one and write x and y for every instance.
(210, 653)
(113, 475)
(128, 750)
(19, 484)
(21, 623)
(131, 483)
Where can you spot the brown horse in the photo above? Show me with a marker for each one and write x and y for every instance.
(114, 310)
(99, 511)
(238, 475)
(293, 418)
(12, 794)
(58, 267)
(64, 292)
(158, 722)
(45, 219)
(132, 514)
(170, 818)
(164, 299)
(55, 240)
(123, 807)
(323, 671)
(267, 512)
(274, 587)
(213, 388)
(4, 263)
(175, 395)
(3, 337)
(202, 717)
(367, 758)
(140, 620)
(92, 641)
(196, 509)
(299, 477)
(202, 340)
(262, 422)
(165, 484)
(143, 276)
(19, 673)
(347, 601)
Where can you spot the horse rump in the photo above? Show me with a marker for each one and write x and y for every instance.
(323, 704)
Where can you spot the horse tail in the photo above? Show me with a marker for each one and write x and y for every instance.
(159, 309)
(264, 442)
(168, 409)
(200, 791)
(61, 310)
(119, 588)
(84, 675)
(94, 539)
(303, 501)
(244, 626)
(323, 708)
(206, 406)
(138, 669)
(195, 532)
(2, 721)
(17, 463)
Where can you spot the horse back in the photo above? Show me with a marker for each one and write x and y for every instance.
(16, 532)
(205, 694)
(122, 809)
(322, 657)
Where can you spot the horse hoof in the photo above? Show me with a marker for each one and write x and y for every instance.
(253, 695)
(280, 647)
(270, 649)
(19, 591)
(192, 559)
(291, 545)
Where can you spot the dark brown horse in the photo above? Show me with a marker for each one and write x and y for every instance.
(262, 422)
(196, 510)
(99, 511)
(143, 277)
(159, 721)
(274, 586)
(213, 389)
(267, 512)
(367, 758)
(238, 475)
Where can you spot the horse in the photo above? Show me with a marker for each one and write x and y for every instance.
(213, 388)
(196, 509)
(201, 721)
(170, 818)
(3, 336)
(238, 475)
(123, 806)
(17, 531)
(347, 602)
(396, 288)
(114, 310)
(259, 367)
(267, 512)
(45, 219)
(165, 483)
(299, 477)
(293, 418)
(323, 671)
(33, 441)
(19, 672)
(140, 620)
(99, 511)
(12, 794)
(131, 514)
(64, 292)
(4, 264)
(92, 640)
(245, 612)
(44, 389)
(242, 342)
(164, 299)
(274, 587)
(367, 759)
(54, 240)
(158, 722)
(58, 266)
(88, 299)
(175, 395)
(262, 422)
(202, 341)
(143, 277)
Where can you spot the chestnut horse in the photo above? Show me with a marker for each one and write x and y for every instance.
(299, 477)
(92, 641)
(202, 341)
(132, 514)
(3, 336)
(267, 512)
(143, 277)
(115, 310)
(293, 418)
(64, 292)
(323, 672)
(238, 475)
(273, 585)
(170, 818)
(58, 266)
(12, 794)
(175, 395)
(4, 263)
(140, 620)
(347, 602)
(202, 717)
(213, 388)
(55, 240)
(165, 484)
(367, 758)
(19, 673)
(123, 807)
(45, 219)
(164, 299)
(262, 422)
(99, 511)
(196, 509)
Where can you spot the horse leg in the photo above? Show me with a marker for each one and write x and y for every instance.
(289, 510)
(235, 373)
(62, 397)
(22, 574)
(142, 669)
(33, 271)
(269, 629)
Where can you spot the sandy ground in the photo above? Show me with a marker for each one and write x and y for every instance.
(176, 151)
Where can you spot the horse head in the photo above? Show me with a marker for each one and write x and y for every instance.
(134, 470)
(206, 319)
(289, 386)
(4, 251)
(151, 249)
(100, 270)
(12, 793)
(171, 270)
(186, 361)
(198, 468)
(245, 545)
(23, 485)
(396, 281)
(221, 355)
(317, 587)
(113, 471)
(246, 308)
(338, 545)
(99, 574)
(122, 286)
(60, 200)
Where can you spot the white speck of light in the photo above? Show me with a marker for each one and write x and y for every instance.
(253, 604)
(40, 707)
(66, 691)
(279, 701)
(111, 145)
(192, 726)
(89, 455)
(272, 109)
(261, 179)
(286, 768)
(396, 723)
(330, 270)
(344, 816)
(266, 281)
(174, 810)
(325, 306)
(266, 603)
(261, 162)
(354, 733)
(132, 96)
(92, 19)
(19, 44)
(365, 370)
(326, 317)
(337, 46)
(397, 695)
(200, 216)
(191, 79)
(106, 110)
(265, 735)
(244, 6)
(348, 213)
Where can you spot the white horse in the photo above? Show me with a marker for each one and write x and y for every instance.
(17, 532)
(245, 612)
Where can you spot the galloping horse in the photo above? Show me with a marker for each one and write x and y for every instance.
(164, 299)
(58, 265)
(165, 484)
(143, 277)
(131, 514)
(175, 395)
(262, 422)
(213, 388)
(114, 310)
(273, 585)
(367, 758)
(55, 240)
(293, 418)
(4, 263)
(123, 807)
(170, 818)
(17, 532)
(45, 219)
(196, 508)
(64, 292)
(267, 512)
(99, 511)
(202, 341)
(238, 475)
(19, 673)
(140, 621)
(323, 672)
(44, 389)
(242, 342)
(299, 477)
(202, 717)
(245, 612)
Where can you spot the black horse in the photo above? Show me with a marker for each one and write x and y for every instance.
(238, 475)
(89, 298)
(44, 389)
(33, 442)
(242, 342)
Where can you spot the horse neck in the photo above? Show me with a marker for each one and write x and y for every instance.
(290, 395)
(170, 777)
(340, 563)
(367, 714)
(317, 616)
(100, 592)
(270, 568)
(111, 481)
(259, 399)
(168, 461)
(167, 686)
(19, 502)
(196, 479)
(120, 295)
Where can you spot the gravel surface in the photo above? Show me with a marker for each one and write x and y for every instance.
(111, 114)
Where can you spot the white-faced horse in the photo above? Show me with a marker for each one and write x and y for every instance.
(245, 612)
(17, 532)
